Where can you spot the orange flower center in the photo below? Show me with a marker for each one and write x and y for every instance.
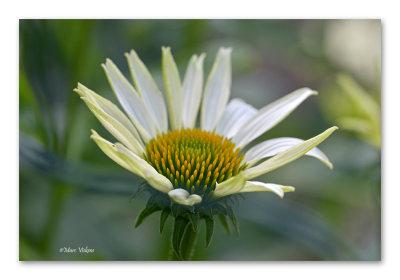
(194, 159)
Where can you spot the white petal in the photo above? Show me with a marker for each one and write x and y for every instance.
(270, 115)
(132, 102)
(230, 186)
(146, 86)
(235, 115)
(252, 186)
(183, 197)
(217, 90)
(287, 156)
(275, 146)
(112, 119)
(133, 163)
(192, 89)
(173, 88)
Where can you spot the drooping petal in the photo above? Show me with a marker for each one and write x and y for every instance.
(146, 86)
(133, 163)
(112, 119)
(109, 149)
(287, 156)
(192, 88)
(253, 186)
(275, 146)
(183, 197)
(153, 178)
(217, 90)
(117, 130)
(230, 186)
(173, 89)
(107, 106)
(132, 102)
(235, 115)
(270, 115)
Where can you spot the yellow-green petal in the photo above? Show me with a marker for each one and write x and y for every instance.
(116, 129)
(230, 186)
(287, 156)
(275, 146)
(108, 108)
(253, 186)
(124, 157)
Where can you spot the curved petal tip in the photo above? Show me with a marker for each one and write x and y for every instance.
(183, 197)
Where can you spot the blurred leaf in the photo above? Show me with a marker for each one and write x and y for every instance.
(47, 73)
(301, 225)
(28, 251)
(85, 177)
(368, 124)
(353, 108)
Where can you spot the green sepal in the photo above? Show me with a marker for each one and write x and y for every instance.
(194, 219)
(176, 210)
(187, 219)
(233, 200)
(180, 225)
(232, 216)
(147, 211)
(163, 218)
(206, 211)
(224, 223)
(219, 209)
(142, 187)
(209, 229)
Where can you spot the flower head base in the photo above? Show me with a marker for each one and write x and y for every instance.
(194, 173)
(194, 159)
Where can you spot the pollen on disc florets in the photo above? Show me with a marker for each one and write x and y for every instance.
(194, 159)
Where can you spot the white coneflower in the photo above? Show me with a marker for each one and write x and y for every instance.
(194, 168)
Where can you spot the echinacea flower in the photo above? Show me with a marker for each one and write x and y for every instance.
(194, 172)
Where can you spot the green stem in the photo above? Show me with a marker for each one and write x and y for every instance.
(57, 198)
(173, 256)
(186, 246)
(188, 242)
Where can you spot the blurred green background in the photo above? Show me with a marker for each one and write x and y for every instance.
(72, 195)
